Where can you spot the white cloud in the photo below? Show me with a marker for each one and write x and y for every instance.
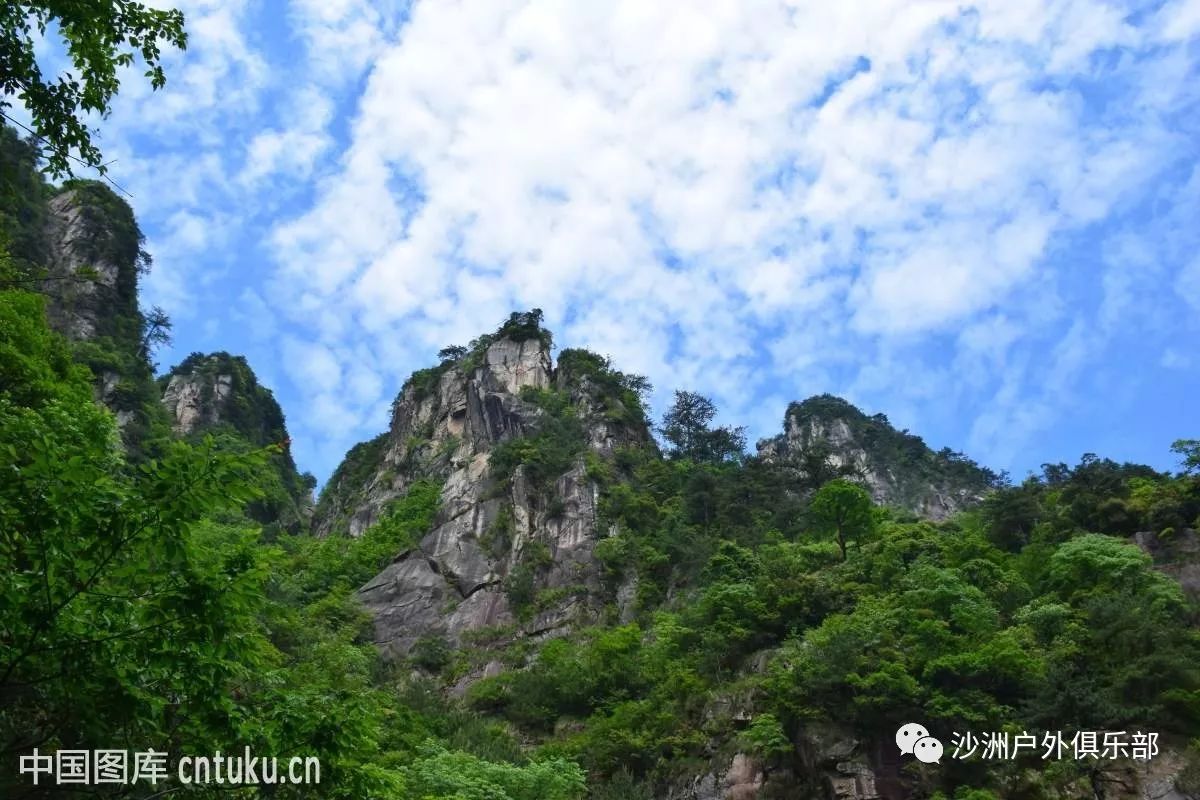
(343, 37)
(295, 147)
(183, 245)
(217, 79)
(767, 199)
(1187, 284)
(669, 180)
(255, 316)
(312, 364)
(1180, 20)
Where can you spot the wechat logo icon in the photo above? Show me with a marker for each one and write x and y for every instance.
(913, 739)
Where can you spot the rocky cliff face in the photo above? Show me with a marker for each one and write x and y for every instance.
(208, 390)
(1176, 555)
(219, 393)
(506, 539)
(195, 401)
(825, 437)
(443, 424)
(89, 258)
(93, 259)
(830, 762)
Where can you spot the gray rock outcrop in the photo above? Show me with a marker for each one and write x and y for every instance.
(838, 764)
(188, 404)
(742, 778)
(826, 437)
(93, 259)
(1176, 555)
(488, 533)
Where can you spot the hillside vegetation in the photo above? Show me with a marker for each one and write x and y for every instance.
(163, 589)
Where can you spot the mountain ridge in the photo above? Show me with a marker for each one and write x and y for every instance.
(553, 590)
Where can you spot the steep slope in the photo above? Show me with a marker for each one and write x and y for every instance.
(219, 394)
(79, 245)
(23, 204)
(513, 439)
(825, 436)
(93, 262)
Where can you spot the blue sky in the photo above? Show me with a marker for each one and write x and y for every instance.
(980, 219)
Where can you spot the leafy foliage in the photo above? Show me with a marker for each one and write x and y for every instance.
(842, 510)
(24, 193)
(106, 563)
(350, 480)
(1189, 451)
(152, 597)
(144, 606)
(100, 39)
(423, 382)
(523, 326)
(622, 397)
(119, 348)
(686, 425)
(962, 624)
(551, 449)
(246, 415)
(461, 776)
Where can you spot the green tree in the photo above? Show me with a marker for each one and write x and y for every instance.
(1189, 452)
(843, 511)
(105, 563)
(765, 738)
(100, 37)
(156, 331)
(452, 352)
(23, 195)
(817, 465)
(443, 775)
(1011, 513)
(686, 426)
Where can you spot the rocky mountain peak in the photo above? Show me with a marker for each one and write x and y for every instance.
(219, 394)
(517, 364)
(509, 436)
(196, 401)
(82, 244)
(449, 417)
(826, 436)
(208, 390)
(93, 259)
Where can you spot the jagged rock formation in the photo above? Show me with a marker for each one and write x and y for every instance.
(208, 390)
(831, 763)
(825, 436)
(79, 244)
(459, 414)
(741, 778)
(218, 393)
(501, 541)
(88, 258)
(93, 261)
(194, 402)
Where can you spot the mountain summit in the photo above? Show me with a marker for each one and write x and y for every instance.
(825, 437)
(528, 454)
(514, 441)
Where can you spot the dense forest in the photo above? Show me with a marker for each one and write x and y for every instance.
(527, 589)
(152, 597)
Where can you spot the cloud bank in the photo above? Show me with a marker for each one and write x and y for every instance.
(980, 219)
